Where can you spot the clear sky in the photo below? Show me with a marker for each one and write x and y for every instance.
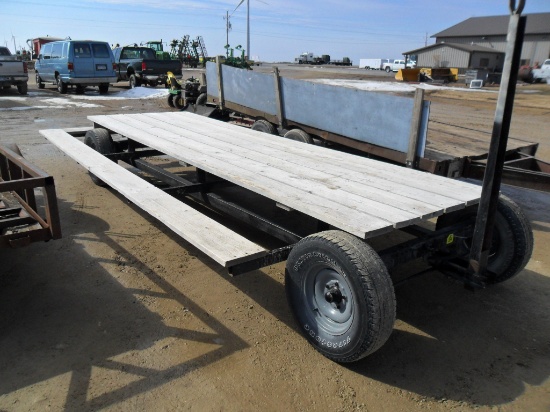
(280, 29)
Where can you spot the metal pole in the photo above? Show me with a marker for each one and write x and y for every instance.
(227, 27)
(483, 232)
(248, 29)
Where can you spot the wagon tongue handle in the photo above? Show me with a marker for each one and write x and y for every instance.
(481, 242)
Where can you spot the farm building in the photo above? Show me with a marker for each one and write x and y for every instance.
(480, 42)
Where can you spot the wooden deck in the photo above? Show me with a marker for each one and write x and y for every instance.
(220, 243)
(361, 196)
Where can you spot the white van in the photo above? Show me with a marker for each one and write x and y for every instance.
(77, 63)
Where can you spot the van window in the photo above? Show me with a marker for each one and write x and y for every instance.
(46, 51)
(82, 50)
(56, 50)
(65, 50)
(100, 50)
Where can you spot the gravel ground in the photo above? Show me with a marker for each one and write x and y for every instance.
(120, 314)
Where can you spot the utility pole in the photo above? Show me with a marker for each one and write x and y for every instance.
(227, 27)
(248, 29)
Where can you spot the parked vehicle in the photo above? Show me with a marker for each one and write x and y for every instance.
(344, 62)
(542, 73)
(78, 63)
(139, 65)
(13, 72)
(395, 65)
(308, 58)
(372, 64)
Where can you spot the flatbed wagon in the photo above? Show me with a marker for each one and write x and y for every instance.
(326, 204)
(324, 207)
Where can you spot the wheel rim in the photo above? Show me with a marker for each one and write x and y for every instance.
(329, 300)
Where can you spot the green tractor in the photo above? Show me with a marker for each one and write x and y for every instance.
(159, 50)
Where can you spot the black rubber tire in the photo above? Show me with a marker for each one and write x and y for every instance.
(387, 69)
(132, 81)
(104, 88)
(100, 140)
(39, 82)
(512, 238)
(179, 102)
(264, 126)
(299, 136)
(363, 320)
(170, 100)
(201, 100)
(61, 87)
(23, 88)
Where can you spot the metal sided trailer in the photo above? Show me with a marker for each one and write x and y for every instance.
(394, 128)
(323, 208)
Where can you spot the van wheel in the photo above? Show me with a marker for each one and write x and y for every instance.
(388, 69)
(103, 88)
(61, 87)
(22, 88)
(39, 81)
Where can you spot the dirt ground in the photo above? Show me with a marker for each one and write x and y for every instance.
(120, 314)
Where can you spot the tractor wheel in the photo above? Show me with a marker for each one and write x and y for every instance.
(170, 100)
(179, 102)
(341, 295)
(100, 140)
(264, 126)
(299, 135)
(201, 100)
(512, 243)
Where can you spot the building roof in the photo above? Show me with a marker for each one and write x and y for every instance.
(471, 48)
(537, 23)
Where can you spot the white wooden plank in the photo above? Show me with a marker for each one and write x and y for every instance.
(370, 185)
(220, 243)
(297, 176)
(214, 161)
(451, 188)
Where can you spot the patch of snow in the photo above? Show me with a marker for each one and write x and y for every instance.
(135, 93)
(12, 98)
(59, 101)
(399, 87)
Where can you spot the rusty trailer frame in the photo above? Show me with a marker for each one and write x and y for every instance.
(25, 217)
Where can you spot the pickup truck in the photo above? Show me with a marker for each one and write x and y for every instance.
(396, 65)
(13, 72)
(542, 73)
(139, 65)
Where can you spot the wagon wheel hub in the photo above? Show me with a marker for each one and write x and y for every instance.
(334, 294)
